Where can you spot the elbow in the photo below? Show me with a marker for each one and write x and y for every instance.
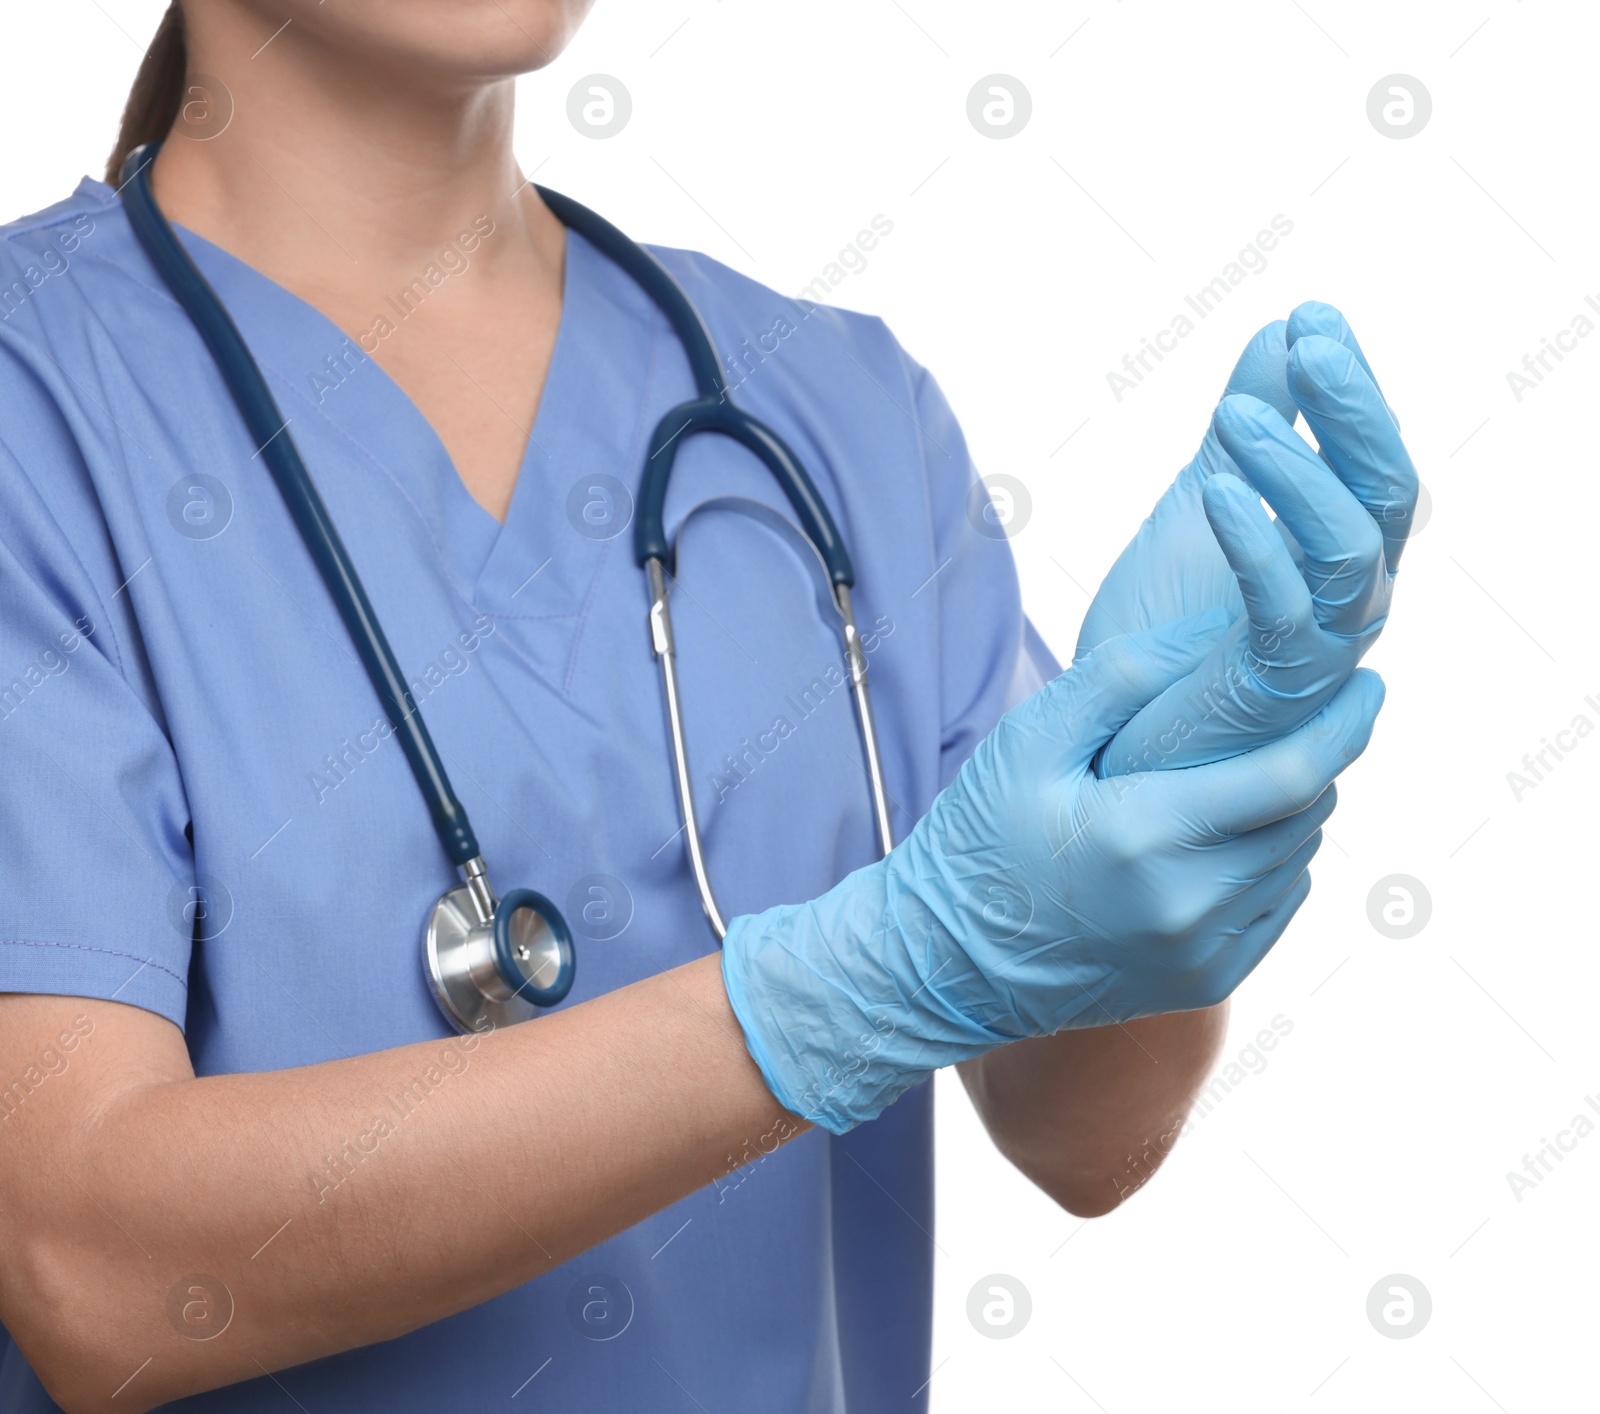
(69, 1396)
(55, 1309)
(1084, 1194)
(77, 1381)
(1092, 1197)
(1090, 1186)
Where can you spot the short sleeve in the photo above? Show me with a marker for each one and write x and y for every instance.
(96, 871)
(990, 655)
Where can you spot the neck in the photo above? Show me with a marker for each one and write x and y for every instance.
(338, 165)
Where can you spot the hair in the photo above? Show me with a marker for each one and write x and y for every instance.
(157, 91)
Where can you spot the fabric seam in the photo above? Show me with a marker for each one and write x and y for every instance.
(104, 952)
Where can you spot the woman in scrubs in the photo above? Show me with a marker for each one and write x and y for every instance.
(240, 1150)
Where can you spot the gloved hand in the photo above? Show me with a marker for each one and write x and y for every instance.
(1315, 588)
(1033, 896)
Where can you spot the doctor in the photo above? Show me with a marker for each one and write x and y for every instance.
(241, 1152)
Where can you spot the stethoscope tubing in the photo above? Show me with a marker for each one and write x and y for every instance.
(275, 445)
(712, 410)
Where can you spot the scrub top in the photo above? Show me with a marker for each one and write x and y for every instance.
(204, 812)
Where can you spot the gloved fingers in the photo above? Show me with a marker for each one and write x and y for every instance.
(1276, 600)
(1341, 546)
(1262, 369)
(1171, 568)
(1252, 871)
(1286, 875)
(1279, 779)
(1258, 851)
(1261, 372)
(1314, 317)
(1262, 895)
(1251, 689)
(1357, 434)
(1082, 708)
(1240, 957)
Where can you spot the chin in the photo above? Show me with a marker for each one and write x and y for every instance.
(450, 39)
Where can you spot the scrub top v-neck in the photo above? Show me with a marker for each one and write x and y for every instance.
(204, 813)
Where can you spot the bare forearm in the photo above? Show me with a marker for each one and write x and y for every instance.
(338, 1208)
(1089, 1115)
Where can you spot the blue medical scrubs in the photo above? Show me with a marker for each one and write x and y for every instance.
(203, 810)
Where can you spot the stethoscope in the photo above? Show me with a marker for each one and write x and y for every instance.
(493, 961)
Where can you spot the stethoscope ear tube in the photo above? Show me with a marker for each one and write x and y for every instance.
(646, 272)
(688, 419)
(712, 410)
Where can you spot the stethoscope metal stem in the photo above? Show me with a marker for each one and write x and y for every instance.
(857, 657)
(665, 650)
(479, 889)
(662, 646)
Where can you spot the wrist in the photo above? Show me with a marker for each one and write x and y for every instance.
(840, 999)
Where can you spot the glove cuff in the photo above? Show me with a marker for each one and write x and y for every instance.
(839, 999)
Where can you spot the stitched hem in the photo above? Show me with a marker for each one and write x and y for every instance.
(41, 967)
(106, 952)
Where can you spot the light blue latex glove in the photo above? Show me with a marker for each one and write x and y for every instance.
(1311, 593)
(1033, 896)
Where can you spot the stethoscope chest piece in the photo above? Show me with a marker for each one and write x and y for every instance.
(500, 969)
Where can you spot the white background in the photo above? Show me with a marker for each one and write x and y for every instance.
(1418, 1072)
